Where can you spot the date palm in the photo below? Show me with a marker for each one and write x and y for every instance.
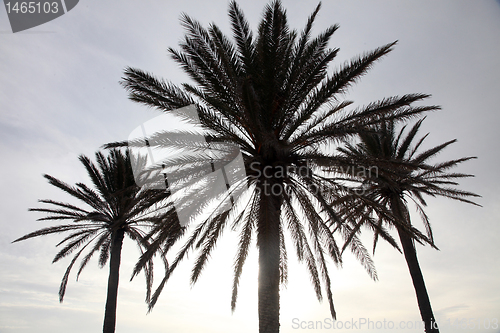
(272, 96)
(116, 207)
(402, 174)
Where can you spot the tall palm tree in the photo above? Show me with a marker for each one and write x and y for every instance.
(116, 208)
(401, 174)
(272, 97)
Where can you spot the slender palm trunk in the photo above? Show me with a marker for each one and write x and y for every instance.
(417, 278)
(114, 272)
(268, 241)
(410, 253)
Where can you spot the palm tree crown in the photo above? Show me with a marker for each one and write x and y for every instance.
(272, 96)
(115, 207)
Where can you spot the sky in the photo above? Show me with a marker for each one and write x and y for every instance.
(60, 97)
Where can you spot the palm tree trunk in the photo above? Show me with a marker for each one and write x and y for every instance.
(417, 278)
(268, 242)
(114, 272)
(424, 304)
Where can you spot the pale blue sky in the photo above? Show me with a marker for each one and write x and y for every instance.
(60, 97)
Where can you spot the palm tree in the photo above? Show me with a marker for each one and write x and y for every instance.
(402, 174)
(116, 207)
(272, 97)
